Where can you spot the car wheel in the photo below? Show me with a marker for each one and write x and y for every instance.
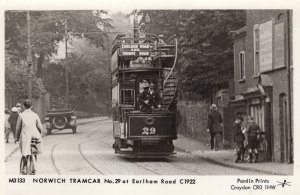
(60, 122)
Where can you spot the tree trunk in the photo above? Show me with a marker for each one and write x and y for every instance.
(40, 61)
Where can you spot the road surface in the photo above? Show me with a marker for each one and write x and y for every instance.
(89, 152)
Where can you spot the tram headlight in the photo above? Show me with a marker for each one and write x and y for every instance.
(149, 120)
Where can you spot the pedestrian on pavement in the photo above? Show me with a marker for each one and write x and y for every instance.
(214, 127)
(144, 100)
(253, 130)
(239, 138)
(29, 126)
(7, 125)
(154, 97)
(19, 107)
(13, 121)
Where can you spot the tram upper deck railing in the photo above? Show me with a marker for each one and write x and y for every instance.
(144, 51)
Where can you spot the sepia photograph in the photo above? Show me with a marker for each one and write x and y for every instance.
(170, 93)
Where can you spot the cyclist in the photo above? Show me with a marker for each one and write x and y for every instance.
(29, 126)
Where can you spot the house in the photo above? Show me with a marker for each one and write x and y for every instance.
(263, 78)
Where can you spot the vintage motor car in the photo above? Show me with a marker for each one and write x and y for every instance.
(60, 119)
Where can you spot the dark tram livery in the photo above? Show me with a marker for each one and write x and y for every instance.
(135, 59)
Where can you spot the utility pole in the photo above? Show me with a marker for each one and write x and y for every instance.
(67, 68)
(29, 57)
(108, 105)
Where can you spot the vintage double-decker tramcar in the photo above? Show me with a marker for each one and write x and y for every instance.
(134, 59)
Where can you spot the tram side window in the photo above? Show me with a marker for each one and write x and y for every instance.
(127, 96)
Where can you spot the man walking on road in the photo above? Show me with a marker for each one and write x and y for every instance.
(214, 127)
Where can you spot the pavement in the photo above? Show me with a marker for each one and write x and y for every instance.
(227, 157)
(221, 157)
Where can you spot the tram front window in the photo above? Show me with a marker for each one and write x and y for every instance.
(127, 97)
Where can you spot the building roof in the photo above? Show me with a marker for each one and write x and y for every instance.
(241, 31)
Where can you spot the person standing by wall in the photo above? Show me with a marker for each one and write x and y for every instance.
(253, 130)
(239, 138)
(214, 127)
(7, 125)
(13, 121)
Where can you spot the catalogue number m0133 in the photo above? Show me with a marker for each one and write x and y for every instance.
(16, 180)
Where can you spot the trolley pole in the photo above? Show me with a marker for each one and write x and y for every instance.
(29, 57)
(135, 28)
(67, 68)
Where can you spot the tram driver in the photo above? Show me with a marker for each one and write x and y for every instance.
(154, 96)
(149, 98)
(144, 99)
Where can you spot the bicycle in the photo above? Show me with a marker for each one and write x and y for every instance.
(28, 163)
(262, 148)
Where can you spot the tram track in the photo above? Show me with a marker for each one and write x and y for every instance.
(91, 138)
(167, 161)
(54, 164)
(86, 160)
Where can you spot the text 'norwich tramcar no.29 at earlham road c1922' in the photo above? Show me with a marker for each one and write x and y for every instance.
(144, 117)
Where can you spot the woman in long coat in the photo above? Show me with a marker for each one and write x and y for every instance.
(29, 126)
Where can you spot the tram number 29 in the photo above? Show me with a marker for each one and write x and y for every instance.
(148, 131)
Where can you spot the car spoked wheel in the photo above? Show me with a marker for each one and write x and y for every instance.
(60, 122)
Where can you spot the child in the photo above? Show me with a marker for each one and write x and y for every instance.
(239, 138)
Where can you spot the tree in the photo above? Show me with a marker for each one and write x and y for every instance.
(16, 79)
(205, 55)
(47, 29)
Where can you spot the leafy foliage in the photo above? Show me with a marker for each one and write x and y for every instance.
(205, 45)
(16, 79)
(89, 77)
(47, 30)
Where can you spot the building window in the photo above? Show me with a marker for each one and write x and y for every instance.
(279, 45)
(242, 65)
(265, 46)
(256, 49)
(127, 97)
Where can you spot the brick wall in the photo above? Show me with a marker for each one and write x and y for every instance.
(278, 77)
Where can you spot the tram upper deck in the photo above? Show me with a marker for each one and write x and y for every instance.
(141, 53)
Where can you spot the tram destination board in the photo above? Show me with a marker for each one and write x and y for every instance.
(151, 125)
(137, 49)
